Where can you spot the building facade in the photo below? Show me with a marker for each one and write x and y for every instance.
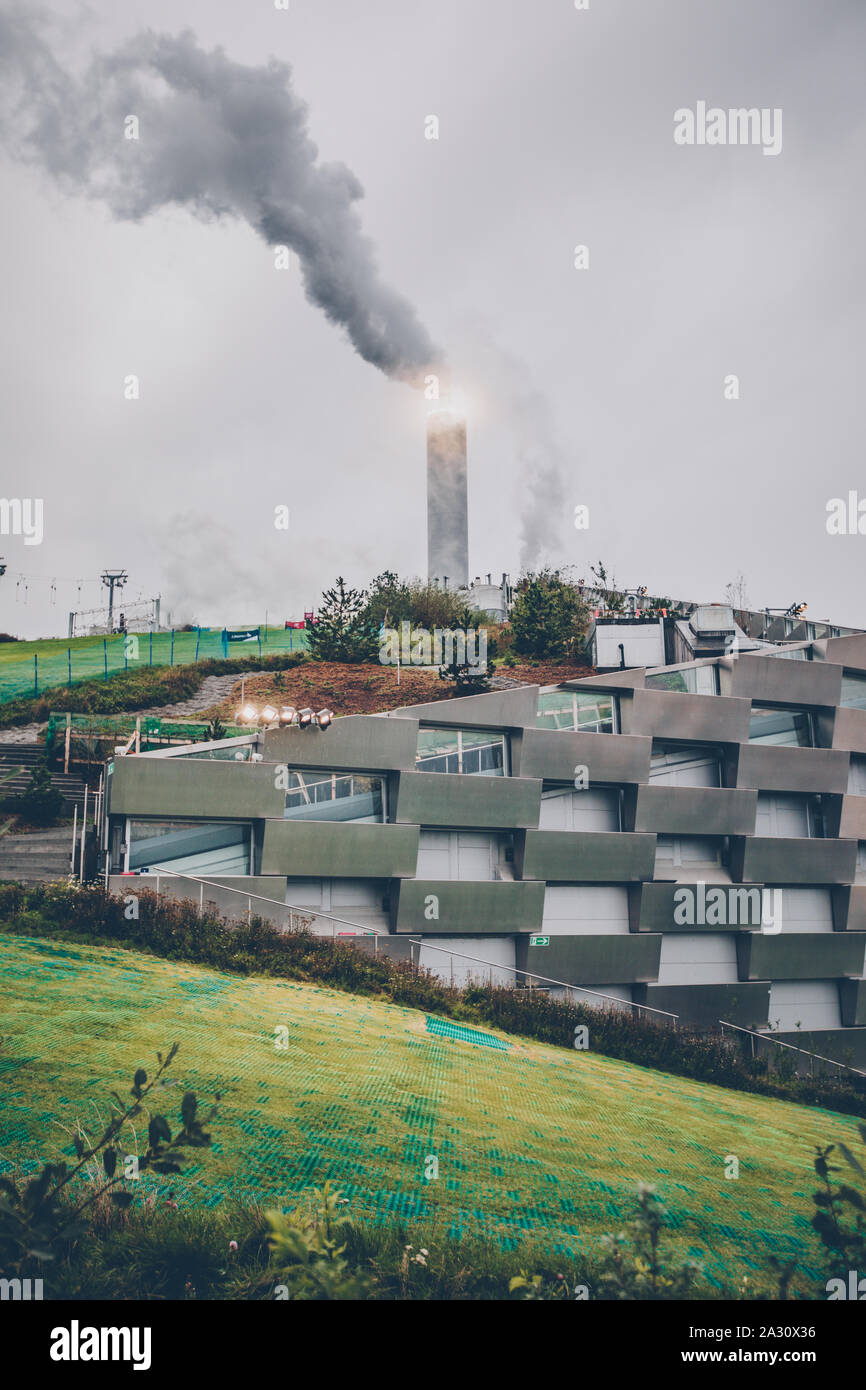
(688, 838)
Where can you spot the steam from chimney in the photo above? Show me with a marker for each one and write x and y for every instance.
(220, 139)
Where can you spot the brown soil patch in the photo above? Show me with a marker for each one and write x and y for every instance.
(368, 689)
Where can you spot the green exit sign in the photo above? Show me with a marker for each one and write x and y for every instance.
(539, 941)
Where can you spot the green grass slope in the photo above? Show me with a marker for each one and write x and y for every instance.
(529, 1138)
(61, 659)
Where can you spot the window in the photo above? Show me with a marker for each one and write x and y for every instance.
(686, 765)
(853, 691)
(857, 776)
(785, 726)
(478, 751)
(334, 796)
(200, 848)
(582, 711)
(789, 814)
(232, 753)
(692, 680)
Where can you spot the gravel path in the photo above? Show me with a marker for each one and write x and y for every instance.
(22, 733)
(210, 692)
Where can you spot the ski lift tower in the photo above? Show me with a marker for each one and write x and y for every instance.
(113, 579)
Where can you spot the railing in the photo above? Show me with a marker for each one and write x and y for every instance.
(777, 1042)
(307, 914)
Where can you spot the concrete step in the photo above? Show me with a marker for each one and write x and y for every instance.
(37, 875)
(51, 835)
(24, 861)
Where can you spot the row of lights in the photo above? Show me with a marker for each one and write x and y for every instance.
(286, 715)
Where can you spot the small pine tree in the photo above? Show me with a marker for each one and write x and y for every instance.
(344, 631)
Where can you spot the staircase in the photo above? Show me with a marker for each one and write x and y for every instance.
(17, 761)
(39, 857)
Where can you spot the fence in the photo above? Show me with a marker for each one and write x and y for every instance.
(95, 736)
(764, 1042)
(30, 668)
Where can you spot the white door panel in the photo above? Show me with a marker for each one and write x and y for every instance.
(496, 954)
(692, 958)
(782, 814)
(572, 909)
(807, 910)
(685, 767)
(567, 809)
(809, 1003)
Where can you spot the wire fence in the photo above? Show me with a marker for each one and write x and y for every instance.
(30, 668)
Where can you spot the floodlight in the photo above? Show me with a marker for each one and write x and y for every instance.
(324, 718)
(288, 714)
(305, 718)
(269, 714)
(249, 713)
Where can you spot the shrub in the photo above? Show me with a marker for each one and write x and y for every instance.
(308, 1252)
(634, 1265)
(840, 1210)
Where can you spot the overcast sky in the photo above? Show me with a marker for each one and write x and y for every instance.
(602, 387)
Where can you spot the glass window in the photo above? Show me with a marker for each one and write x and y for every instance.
(201, 848)
(584, 711)
(693, 680)
(242, 753)
(479, 751)
(335, 796)
(853, 691)
(785, 726)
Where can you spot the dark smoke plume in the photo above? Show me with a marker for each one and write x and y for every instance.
(220, 139)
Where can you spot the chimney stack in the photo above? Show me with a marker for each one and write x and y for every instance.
(447, 504)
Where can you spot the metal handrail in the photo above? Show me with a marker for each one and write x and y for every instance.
(768, 1037)
(416, 941)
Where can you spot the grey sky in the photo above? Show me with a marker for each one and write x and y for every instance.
(602, 387)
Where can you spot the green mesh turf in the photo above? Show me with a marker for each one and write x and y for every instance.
(444, 1028)
(530, 1140)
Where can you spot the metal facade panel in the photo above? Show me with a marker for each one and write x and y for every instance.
(316, 849)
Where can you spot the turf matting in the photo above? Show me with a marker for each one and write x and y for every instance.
(316, 1084)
